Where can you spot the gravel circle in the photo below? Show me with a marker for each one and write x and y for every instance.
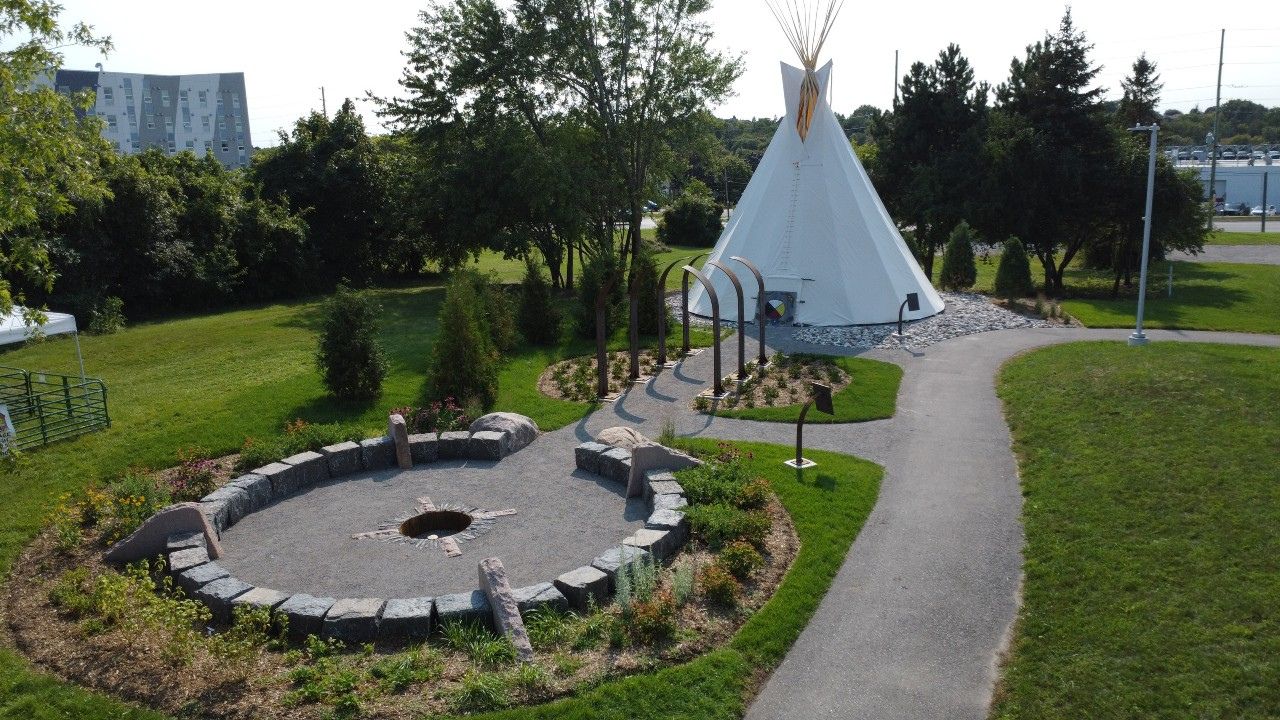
(966, 314)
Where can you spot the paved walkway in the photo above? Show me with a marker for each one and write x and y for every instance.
(914, 622)
(1247, 254)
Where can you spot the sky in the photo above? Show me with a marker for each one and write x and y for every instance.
(289, 49)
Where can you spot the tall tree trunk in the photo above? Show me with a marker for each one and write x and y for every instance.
(568, 275)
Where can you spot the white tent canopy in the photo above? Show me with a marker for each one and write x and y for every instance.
(14, 328)
(811, 220)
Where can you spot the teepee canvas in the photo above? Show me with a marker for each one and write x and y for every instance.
(810, 218)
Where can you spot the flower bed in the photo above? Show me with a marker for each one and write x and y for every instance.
(575, 378)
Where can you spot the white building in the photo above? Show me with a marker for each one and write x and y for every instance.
(197, 113)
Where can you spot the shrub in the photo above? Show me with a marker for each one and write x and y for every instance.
(548, 628)
(193, 478)
(959, 268)
(397, 672)
(539, 315)
(483, 647)
(720, 586)
(653, 620)
(1013, 274)
(435, 417)
(649, 309)
(594, 275)
(106, 316)
(740, 559)
(498, 312)
(464, 363)
(718, 524)
(693, 219)
(349, 356)
(682, 582)
(127, 502)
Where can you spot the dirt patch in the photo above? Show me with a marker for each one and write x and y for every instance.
(575, 379)
(785, 381)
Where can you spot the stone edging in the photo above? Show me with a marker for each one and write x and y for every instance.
(361, 620)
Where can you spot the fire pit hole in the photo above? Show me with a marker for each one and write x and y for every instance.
(437, 523)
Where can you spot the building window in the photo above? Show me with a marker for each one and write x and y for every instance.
(171, 147)
(182, 96)
(204, 98)
(111, 122)
(235, 100)
(164, 98)
(191, 144)
(241, 148)
(222, 124)
(207, 145)
(133, 144)
(151, 124)
(168, 124)
(205, 122)
(108, 96)
(186, 124)
(239, 125)
(224, 146)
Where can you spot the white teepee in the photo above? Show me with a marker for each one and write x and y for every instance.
(810, 218)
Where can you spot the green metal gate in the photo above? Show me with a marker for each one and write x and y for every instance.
(45, 407)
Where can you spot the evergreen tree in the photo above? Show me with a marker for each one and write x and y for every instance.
(1013, 274)
(959, 267)
(349, 357)
(931, 148)
(1049, 153)
(464, 363)
(539, 316)
(693, 219)
(1141, 94)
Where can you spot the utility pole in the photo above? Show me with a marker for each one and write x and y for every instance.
(324, 109)
(1138, 338)
(1213, 144)
(895, 77)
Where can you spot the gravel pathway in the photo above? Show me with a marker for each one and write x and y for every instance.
(916, 619)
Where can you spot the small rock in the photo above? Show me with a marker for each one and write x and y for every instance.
(615, 558)
(283, 478)
(311, 467)
(522, 430)
(257, 487)
(182, 560)
(306, 614)
(236, 504)
(342, 458)
(218, 594)
(503, 607)
(399, 434)
(260, 598)
(454, 444)
(620, 436)
(464, 607)
(542, 595)
(488, 445)
(353, 621)
(200, 575)
(423, 448)
(377, 453)
(407, 619)
(579, 586)
(587, 456)
(659, 543)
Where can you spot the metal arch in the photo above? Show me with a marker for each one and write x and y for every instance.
(662, 311)
(717, 386)
(742, 338)
(759, 301)
(684, 303)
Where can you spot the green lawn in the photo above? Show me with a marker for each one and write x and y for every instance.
(1226, 237)
(1206, 296)
(871, 394)
(1151, 507)
(512, 270)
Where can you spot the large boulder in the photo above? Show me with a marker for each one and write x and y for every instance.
(152, 537)
(522, 430)
(623, 437)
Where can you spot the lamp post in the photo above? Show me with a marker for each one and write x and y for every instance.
(912, 303)
(1138, 338)
(821, 395)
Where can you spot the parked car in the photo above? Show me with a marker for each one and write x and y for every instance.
(1274, 154)
(1184, 155)
(1237, 209)
(1228, 154)
(650, 206)
(1257, 155)
(1257, 210)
